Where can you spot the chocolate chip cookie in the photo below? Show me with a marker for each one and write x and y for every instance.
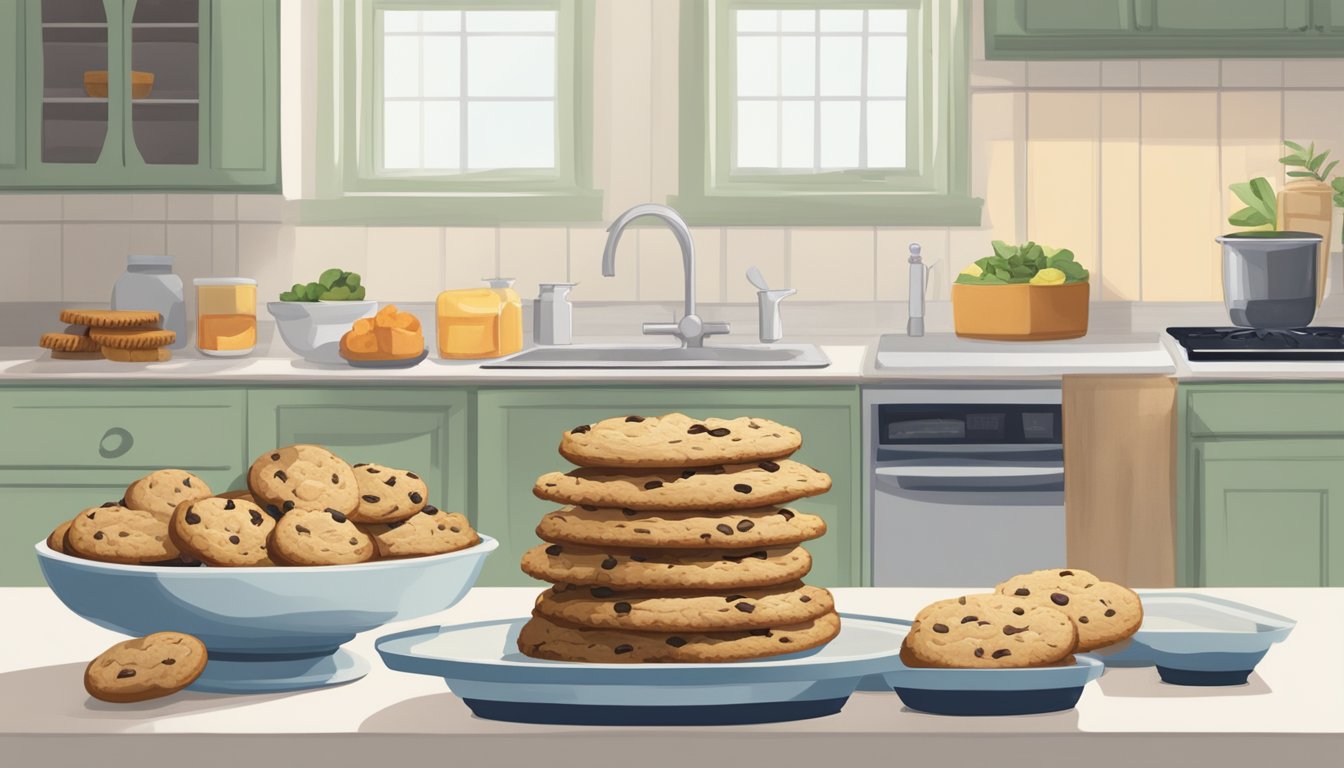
(677, 440)
(303, 476)
(56, 540)
(543, 638)
(118, 534)
(319, 537)
(243, 494)
(145, 668)
(222, 532)
(160, 492)
(428, 532)
(1103, 611)
(387, 495)
(608, 527)
(666, 569)
(989, 632)
(605, 608)
(710, 489)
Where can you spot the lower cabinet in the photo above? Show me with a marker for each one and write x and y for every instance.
(518, 433)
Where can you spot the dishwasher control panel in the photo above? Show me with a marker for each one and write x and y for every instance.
(908, 424)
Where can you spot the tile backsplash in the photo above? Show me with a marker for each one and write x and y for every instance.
(1125, 162)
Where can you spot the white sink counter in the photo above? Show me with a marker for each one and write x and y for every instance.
(1290, 707)
(945, 355)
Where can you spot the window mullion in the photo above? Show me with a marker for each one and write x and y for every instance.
(816, 92)
(863, 94)
(465, 104)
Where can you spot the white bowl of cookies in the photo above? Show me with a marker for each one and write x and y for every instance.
(273, 579)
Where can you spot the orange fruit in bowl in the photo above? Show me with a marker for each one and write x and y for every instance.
(388, 335)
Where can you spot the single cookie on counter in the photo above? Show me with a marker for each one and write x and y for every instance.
(656, 611)
(428, 532)
(119, 534)
(56, 540)
(387, 495)
(319, 537)
(737, 529)
(1104, 612)
(989, 632)
(677, 440)
(666, 569)
(542, 638)
(145, 668)
(160, 492)
(223, 532)
(305, 476)
(710, 489)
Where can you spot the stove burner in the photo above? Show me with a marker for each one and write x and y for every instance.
(1260, 344)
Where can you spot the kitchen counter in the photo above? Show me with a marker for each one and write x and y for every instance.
(947, 356)
(1291, 706)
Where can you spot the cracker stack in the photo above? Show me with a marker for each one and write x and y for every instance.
(125, 336)
(675, 545)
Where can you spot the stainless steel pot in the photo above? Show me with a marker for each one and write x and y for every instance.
(1269, 278)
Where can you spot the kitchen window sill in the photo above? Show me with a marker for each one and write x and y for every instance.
(454, 210)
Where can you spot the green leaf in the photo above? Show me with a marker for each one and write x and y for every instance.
(1317, 161)
(1259, 195)
(357, 294)
(1003, 250)
(1294, 146)
(1247, 217)
(1293, 161)
(352, 280)
(313, 290)
(289, 296)
(1062, 256)
(329, 278)
(1301, 174)
(1323, 174)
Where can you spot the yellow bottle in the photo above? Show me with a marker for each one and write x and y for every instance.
(480, 322)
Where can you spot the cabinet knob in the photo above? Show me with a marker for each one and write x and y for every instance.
(116, 442)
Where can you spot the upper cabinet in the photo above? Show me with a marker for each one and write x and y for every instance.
(1136, 29)
(139, 94)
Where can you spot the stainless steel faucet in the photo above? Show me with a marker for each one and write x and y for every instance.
(690, 329)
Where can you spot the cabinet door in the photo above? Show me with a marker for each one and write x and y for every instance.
(1075, 15)
(245, 94)
(1265, 16)
(421, 430)
(1275, 520)
(518, 433)
(13, 91)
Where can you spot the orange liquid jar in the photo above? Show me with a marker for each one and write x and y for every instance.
(226, 316)
(479, 323)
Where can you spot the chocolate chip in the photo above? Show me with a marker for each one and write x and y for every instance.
(629, 512)
(123, 534)
(1066, 573)
(256, 516)
(969, 618)
(621, 608)
(649, 486)
(415, 497)
(335, 479)
(454, 529)
(760, 633)
(706, 536)
(673, 442)
(623, 648)
(275, 457)
(430, 509)
(787, 514)
(336, 515)
(98, 535)
(235, 540)
(302, 529)
(720, 432)
(186, 481)
(395, 524)
(745, 525)
(1018, 611)
(745, 607)
(106, 504)
(641, 559)
(288, 505)
(785, 640)
(554, 550)
(961, 600)
(581, 429)
(228, 504)
(724, 529)
(732, 598)
(675, 642)
(979, 653)
(1110, 612)
(391, 481)
(1082, 619)
(273, 511)
(168, 662)
(602, 591)
(1059, 598)
(759, 555)
(633, 419)
(940, 629)
(125, 673)
(412, 475)
(365, 464)
(742, 488)
(370, 499)
(91, 514)
(281, 476)
(191, 517)
(588, 508)
(804, 599)
(685, 473)
(769, 466)
(1009, 629)
(697, 429)
(1022, 592)
(372, 471)
(608, 563)
(999, 654)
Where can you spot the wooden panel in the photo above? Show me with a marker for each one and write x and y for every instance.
(1119, 487)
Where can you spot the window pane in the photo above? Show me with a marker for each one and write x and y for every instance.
(401, 134)
(511, 66)
(757, 66)
(401, 66)
(510, 21)
(887, 20)
(442, 21)
(797, 149)
(840, 134)
(401, 21)
(511, 134)
(758, 21)
(799, 61)
(842, 21)
(886, 134)
(798, 21)
(443, 65)
(841, 66)
(443, 140)
(757, 134)
(887, 65)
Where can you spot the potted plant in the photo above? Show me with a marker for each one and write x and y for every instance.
(312, 317)
(1028, 292)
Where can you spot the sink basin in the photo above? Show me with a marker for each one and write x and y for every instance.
(614, 356)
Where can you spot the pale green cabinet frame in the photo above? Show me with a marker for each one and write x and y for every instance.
(239, 104)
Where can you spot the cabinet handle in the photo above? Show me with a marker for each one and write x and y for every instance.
(123, 444)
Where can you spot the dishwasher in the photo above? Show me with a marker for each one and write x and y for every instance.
(966, 483)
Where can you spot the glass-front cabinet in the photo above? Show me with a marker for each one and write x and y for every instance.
(169, 94)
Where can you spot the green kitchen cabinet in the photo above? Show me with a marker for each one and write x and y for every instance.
(208, 121)
(1261, 485)
(518, 432)
(72, 448)
(423, 430)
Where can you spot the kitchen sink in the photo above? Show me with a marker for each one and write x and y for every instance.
(615, 356)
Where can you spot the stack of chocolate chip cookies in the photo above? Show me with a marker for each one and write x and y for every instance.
(675, 545)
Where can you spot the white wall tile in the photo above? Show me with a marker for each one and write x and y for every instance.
(30, 255)
(832, 264)
(226, 207)
(261, 208)
(1063, 180)
(30, 208)
(661, 275)
(266, 253)
(148, 238)
(1313, 73)
(536, 255)
(192, 248)
(585, 268)
(190, 207)
(1120, 223)
(998, 176)
(766, 249)
(1119, 74)
(149, 207)
(1252, 73)
(405, 263)
(224, 250)
(1178, 73)
(117, 208)
(1063, 74)
(469, 254)
(95, 256)
(317, 249)
(1250, 142)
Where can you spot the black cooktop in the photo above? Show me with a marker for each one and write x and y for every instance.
(1261, 345)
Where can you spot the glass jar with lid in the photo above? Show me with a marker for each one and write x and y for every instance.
(149, 284)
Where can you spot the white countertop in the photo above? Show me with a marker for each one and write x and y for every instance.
(1291, 706)
(946, 356)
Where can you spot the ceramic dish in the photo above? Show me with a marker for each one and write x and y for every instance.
(313, 329)
(482, 665)
(1196, 639)
(266, 629)
(409, 362)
